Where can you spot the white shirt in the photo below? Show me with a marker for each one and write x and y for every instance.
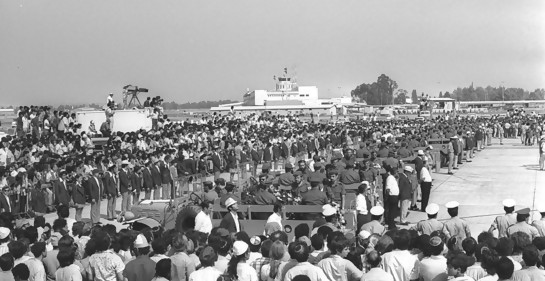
(377, 274)
(203, 223)
(246, 273)
(391, 186)
(36, 269)
(209, 273)
(431, 268)
(157, 258)
(274, 217)
(425, 174)
(235, 218)
(399, 264)
(361, 204)
(305, 268)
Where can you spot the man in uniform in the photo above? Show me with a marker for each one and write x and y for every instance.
(522, 224)
(456, 226)
(502, 223)
(262, 195)
(286, 179)
(431, 224)
(349, 176)
(300, 186)
(334, 189)
(374, 226)
(314, 196)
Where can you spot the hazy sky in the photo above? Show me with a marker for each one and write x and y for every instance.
(74, 51)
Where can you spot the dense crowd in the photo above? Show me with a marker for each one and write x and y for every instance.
(52, 165)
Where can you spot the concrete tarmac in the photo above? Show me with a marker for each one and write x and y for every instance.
(496, 173)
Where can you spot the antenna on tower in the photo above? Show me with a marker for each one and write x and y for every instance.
(294, 79)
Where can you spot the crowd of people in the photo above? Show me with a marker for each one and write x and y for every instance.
(52, 165)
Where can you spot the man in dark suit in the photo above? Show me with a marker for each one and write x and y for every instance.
(110, 189)
(96, 188)
(147, 180)
(165, 176)
(125, 187)
(6, 204)
(230, 221)
(156, 176)
(405, 183)
(255, 160)
(136, 182)
(78, 196)
(216, 163)
(60, 190)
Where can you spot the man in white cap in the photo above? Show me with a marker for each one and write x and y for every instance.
(431, 224)
(405, 182)
(522, 224)
(502, 223)
(374, 226)
(4, 239)
(540, 224)
(456, 226)
(142, 267)
(230, 220)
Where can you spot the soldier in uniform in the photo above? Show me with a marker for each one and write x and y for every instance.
(314, 196)
(300, 186)
(522, 224)
(502, 223)
(286, 179)
(374, 226)
(456, 226)
(431, 224)
(540, 224)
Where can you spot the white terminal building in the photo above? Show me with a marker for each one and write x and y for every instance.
(288, 96)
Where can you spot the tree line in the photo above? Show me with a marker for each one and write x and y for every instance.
(385, 91)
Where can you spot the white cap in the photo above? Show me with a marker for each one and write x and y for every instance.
(430, 146)
(4, 232)
(364, 234)
(377, 211)
(408, 169)
(509, 203)
(421, 152)
(21, 170)
(328, 210)
(239, 248)
(230, 202)
(452, 204)
(432, 209)
(425, 159)
(125, 162)
(141, 241)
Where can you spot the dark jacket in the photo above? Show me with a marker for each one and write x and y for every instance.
(228, 222)
(156, 175)
(96, 189)
(124, 182)
(38, 200)
(110, 184)
(4, 206)
(136, 182)
(78, 194)
(62, 194)
(405, 187)
(147, 179)
(216, 162)
(165, 173)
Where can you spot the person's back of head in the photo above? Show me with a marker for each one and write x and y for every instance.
(300, 251)
(301, 230)
(17, 249)
(505, 268)
(489, 260)
(38, 249)
(279, 236)
(6, 262)
(505, 246)
(373, 259)
(277, 250)
(402, 239)
(317, 242)
(301, 277)
(469, 245)
(21, 272)
(162, 268)
(266, 247)
(159, 246)
(520, 241)
(65, 257)
(530, 255)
